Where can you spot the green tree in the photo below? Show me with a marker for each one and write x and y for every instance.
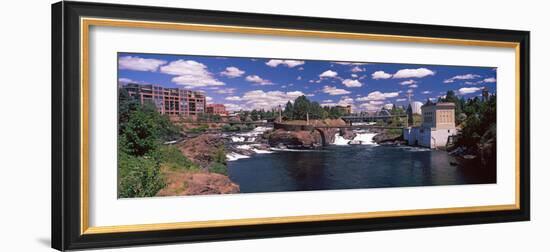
(289, 110)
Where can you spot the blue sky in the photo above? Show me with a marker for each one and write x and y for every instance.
(254, 83)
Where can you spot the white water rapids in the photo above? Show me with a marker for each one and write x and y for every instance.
(362, 138)
(246, 141)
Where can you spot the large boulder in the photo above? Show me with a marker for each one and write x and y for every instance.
(385, 137)
(295, 139)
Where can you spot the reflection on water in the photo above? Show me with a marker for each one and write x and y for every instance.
(352, 166)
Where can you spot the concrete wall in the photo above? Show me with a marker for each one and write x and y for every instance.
(427, 137)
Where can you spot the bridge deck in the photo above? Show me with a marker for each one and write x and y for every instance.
(357, 127)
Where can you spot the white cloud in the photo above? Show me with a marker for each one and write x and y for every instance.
(413, 73)
(299, 78)
(232, 72)
(328, 74)
(378, 96)
(468, 90)
(233, 98)
(354, 75)
(413, 86)
(401, 100)
(357, 69)
(190, 74)
(380, 75)
(125, 81)
(490, 80)
(461, 77)
(376, 102)
(370, 107)
(288, 63)
(345, 101)
(351, 83)
(350, 63)
(139, 64)
(388, 106)
(408, 82)
(225, 91)
(258, 99)
(426, 92)
(208, 98)
(258, 80)
(335, 91)
(234, 107)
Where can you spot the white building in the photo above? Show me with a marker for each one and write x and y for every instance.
(438, 124)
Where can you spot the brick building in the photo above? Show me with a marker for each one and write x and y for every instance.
(169, 101)
(216, 109)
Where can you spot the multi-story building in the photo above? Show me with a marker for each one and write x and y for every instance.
(438, 124)
(216, 109)
(345, 110)
(169, 101)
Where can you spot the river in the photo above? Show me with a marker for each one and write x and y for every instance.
(344, 166)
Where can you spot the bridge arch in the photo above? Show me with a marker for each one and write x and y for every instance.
(323, 136)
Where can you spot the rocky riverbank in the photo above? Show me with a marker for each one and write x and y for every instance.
(196, 183)
(203, 149)
(208, 152)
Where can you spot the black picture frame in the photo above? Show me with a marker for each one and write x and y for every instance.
(66, 141)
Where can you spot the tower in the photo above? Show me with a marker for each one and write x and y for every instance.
(485, 94)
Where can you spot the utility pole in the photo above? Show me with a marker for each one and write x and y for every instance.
(280, 119)
(307, 118)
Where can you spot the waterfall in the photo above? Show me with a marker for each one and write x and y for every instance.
(361, 138)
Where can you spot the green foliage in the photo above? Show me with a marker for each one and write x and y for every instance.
(394, 132)
(395, 110)
(302, 108)
(219, 155)
(205, 117)
(201, 128)
(237, 127)
(141, 133)
(138, 176)
(219, 161)
(289, 111)
(171, 157)
(218, 168)
(141, 130)
(479, 124)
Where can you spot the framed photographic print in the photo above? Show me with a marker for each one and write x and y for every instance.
(177, 125)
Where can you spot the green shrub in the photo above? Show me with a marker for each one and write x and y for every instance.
(172, 157)
(199, 129)
(218, 168)
(219, 155)
(138, 176)
(230, 128)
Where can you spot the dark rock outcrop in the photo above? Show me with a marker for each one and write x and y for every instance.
(295, 139)
(385, 137)
(202, 149)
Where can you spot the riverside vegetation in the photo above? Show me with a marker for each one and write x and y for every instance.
(144, 163)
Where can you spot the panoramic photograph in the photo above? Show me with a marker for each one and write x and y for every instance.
(204, 125)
